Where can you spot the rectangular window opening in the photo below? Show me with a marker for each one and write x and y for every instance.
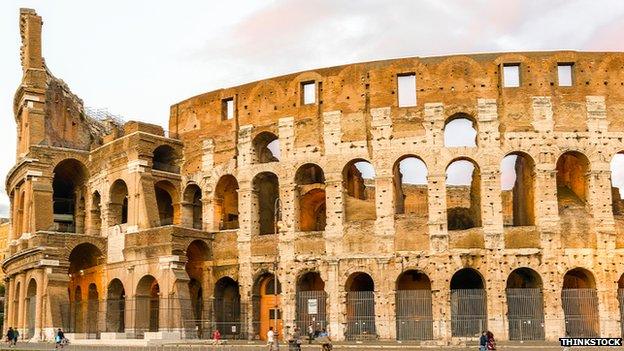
(227, 108)
(407, 89)
(564, 74)
(309, 93)
(511, 75)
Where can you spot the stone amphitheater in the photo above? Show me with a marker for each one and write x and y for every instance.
(405, 199)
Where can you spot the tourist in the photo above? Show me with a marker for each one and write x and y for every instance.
(216, 337)
(15, 336)
(483, 341)
(310, 333)
(324, 340)
(491, 343)
(9, 336)
(297, 338)
(271, 339)
(59, 339)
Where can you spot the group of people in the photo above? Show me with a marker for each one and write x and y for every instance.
(11, 336)
(295, 339)
(486, 341)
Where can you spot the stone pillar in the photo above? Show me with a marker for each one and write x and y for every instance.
(336, 302)
(434, 124)
(441, 309)
(288, 301)
(608, 309)
(384, 223)
(335, 213)
(245, 273)
(496, 300)
(491, 208)
(599, 198)
(547, 207)
(245, 153)
(438, 232)
(286, 138)
(384, 306)
(554, 321)
(332, 132)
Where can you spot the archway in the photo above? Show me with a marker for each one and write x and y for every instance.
(580, 304)
(460, 131)
(193, 206)
(226, 202)
(78, 311)
(525, 305)
(197, 254)
(463, 195)
(360, 306)
(92, 329)
(164, 159)
(310, 182)
(16, 304)
(31, 308)
(68, 192)
(167, 202)
(311, 307)
(358, 181)
(116, 307)
(410, 187)
(84, 271)
(468, 303)
(572, 168)
(414, 314)
(266, 148)
(147, 308)
(517, 190)
(227, 308)
(621, 302)
(266, 192)
(267, 305)
(118, 205)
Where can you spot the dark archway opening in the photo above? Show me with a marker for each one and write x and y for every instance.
(468, 303)
(360, 307)
(580, 304)
(525, 305)
(311, 307)
(414, 313)
(116, 307)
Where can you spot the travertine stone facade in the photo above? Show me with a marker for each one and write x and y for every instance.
(153, 223)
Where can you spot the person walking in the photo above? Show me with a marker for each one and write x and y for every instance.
(491, 343)
(15, 336)
(271, 339)
(216, 337)
(9, 336)
(59, 339)
(310, 333)
(483, 341)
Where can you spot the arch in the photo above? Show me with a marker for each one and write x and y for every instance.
(266, 148)
(192, 206)
(463, 194)
(358, 181)
(92, 310)
(311, 302)
(620, 296)
(147, 302)
(227, 307)
(525, 305)
(96, 213)
(413, 308)
(78, 310)
(84, 256)
(118, 205)
(572, 168)
(166, 201)
(115, 307)
(410, 186)
(197, 305)
(31, 308)
(165, 158)
(517, 189)
(226, 202)
(580, 303)
(68, 188)
(460, 130)
(266, 193)
(16, 303)
(310, 181)
(267, 304)
(468, 303)
(360, 289)
(617, 188)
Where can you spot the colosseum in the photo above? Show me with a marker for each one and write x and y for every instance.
(407, 199)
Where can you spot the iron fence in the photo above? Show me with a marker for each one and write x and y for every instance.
(468, 312)
(360, 315)
(580, 307)
(311, 310)
(525, 315)
(414, 320)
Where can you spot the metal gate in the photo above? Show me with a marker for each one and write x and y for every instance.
(525, 312)
(468, 312)
(228, 318)
(146, 315)
(31, 305)
(360, 315)
(580, 307)
(311, 310)
(621, 300)
(414, 320)
(116, 315)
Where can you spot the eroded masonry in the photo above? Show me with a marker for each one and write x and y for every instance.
(344, 184)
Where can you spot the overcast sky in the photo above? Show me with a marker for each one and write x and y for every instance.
(136, 58)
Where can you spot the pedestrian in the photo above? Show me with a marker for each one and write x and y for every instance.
(310, 333)
(491, 343)
(216, 337)
(483, 341)
(324, 339)
(271, 339)
(297, 338)
(15, 336)
(59, 339)
(9, 336)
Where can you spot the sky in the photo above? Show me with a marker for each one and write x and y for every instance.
(136, 58)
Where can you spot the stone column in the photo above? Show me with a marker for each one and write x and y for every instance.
(441, 309)
(491, 208)
(438, 233)
(546, 206)
(245, 273)
(336, 302)
(599, 198)
(384, 306)
(384, 223)
(335, 214)
(554, 322)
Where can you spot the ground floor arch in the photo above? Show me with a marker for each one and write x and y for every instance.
(267, 311)
(311, 302)
(525, 305)
(468, 303)
(360, 289)
(413, 308)
(115, 307)
(227, 308)
(31, 308)
(579, 300)
(147, 306)
(620, 295)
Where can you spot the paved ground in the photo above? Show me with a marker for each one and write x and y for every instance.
(283, 347)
